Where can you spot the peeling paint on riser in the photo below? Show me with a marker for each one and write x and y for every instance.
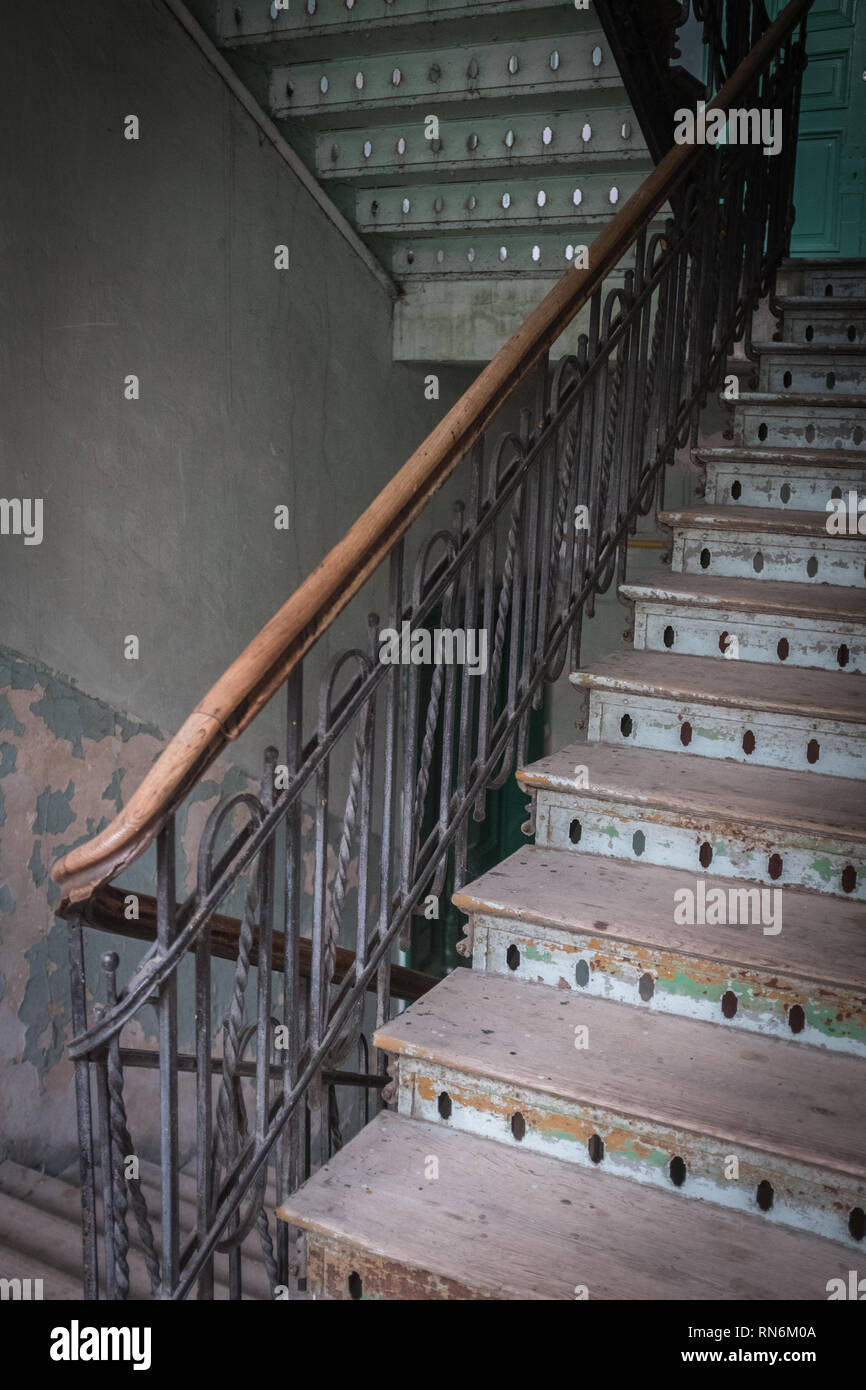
(805, 1196)
(687, 986)
(828, 324)
(716, 731)
(780, 485)
(331, 1262)
(739, 851)
(746, 554)
(786, 372)
(698, 632)
(800, 427)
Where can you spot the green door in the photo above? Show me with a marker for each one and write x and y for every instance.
(831, 150)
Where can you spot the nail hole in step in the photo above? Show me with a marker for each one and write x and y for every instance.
(595, 1148)
(677, 1171)
(764, 1195)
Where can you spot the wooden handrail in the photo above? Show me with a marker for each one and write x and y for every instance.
(105, 911)
(250, 682)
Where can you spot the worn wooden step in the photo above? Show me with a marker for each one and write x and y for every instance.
(53, 1243)
(795, 479)
(52, 1200)
(805, 721)
(777, 828)
(796, 419)
(813, 625)
(500, 1224)
(255, 1277)
(662, 1099)
(770, 543)
(789, 965)
(810, 367)
(808, 319)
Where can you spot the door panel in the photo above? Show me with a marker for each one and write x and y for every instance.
(831, 152)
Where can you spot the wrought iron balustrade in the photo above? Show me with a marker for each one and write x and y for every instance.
(546, 497)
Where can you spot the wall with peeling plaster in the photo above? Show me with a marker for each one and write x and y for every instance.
(258, 388)
(65, 758)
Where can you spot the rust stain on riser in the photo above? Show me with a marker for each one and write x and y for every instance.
(804, 1196)
(339, 1270)
(686, 985)
(738, 850)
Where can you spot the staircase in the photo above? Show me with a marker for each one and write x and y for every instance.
(474, 145)
(40, 1233)
(650, 1084)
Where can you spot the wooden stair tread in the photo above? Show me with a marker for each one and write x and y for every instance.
(818, 400)
(819, 349)
(823, 939)
(508, 1224)
(812, 694)
(779, 520)
(834, 603)
(749, 453)
(819, 301)
(767, 1094)
(683, 784)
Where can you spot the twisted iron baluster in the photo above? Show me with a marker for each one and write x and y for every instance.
(228, 1101)
(121, 1147)
(338, 890)
(431, 724)
(505, 593)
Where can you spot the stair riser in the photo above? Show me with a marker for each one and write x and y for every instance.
(824, 325)
(799, 427)
(664, 982)
(804, 1196)
(761, 555)
(339, 1270)
(691, 632)
(844, 283)
(296, 90)
(784, 372)
(248, 24)
(442, 206)
(828, 748)
(600, 825)
(775, 485)
(594, 136)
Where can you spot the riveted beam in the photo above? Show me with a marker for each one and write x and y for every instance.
(507, 204)
(535, 69)
(338, 27)
(601, 138)
(488, 253)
